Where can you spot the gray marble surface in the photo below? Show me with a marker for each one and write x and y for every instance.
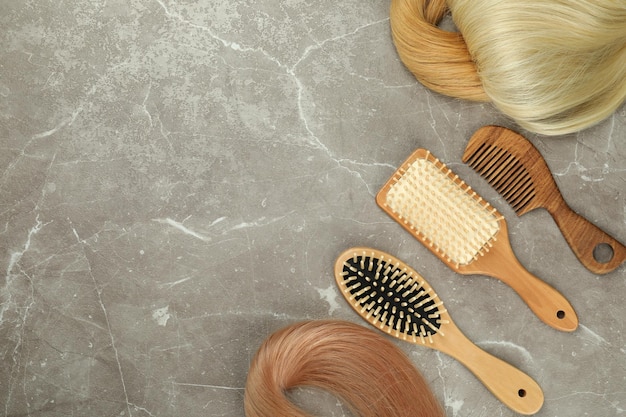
(177, 178)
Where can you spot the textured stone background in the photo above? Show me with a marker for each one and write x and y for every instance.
(177, 178)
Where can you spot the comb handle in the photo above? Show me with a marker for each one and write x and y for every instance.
(587, 240)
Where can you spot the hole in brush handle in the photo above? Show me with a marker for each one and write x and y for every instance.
(603, 253)
(521, 392)
(560, 314)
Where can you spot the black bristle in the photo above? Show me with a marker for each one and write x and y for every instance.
(384, 291)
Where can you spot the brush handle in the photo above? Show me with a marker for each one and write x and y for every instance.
(546, 302)
(549, 305)
(584, 237)
(510, 385)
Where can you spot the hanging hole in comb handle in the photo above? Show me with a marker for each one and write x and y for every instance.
(521, 393)
(603, 253)
(560, 314)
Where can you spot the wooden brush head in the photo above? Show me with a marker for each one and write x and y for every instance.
(514, 167)
(440, 210)
(465, 232)
(390, 295)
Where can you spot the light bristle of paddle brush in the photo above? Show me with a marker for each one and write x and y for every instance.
(440, 209)
(391, 296)
(505, 173)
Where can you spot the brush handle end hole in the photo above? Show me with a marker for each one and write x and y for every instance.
(603, 253)
(560, 314)
(521, 392)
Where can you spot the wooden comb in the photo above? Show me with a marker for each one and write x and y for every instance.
(393, 297)
(515, 168)
(465, 232)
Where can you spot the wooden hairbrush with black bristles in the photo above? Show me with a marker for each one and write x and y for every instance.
(516, 169)
(465, 232)
(393, 297)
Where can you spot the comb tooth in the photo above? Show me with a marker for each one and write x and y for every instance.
(487, 156)
(518, 171)
(523, 196)
(523, 203)
(507, 176)
(523, 185)
(517, 180)
(474, 156)
(514, 186)
(494, 162)
(478, 155)
(501, 169)
(518, 189)
(508, 187)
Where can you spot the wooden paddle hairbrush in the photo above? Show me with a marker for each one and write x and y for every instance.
(465, 232)
(510, 163)
(394, 298)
